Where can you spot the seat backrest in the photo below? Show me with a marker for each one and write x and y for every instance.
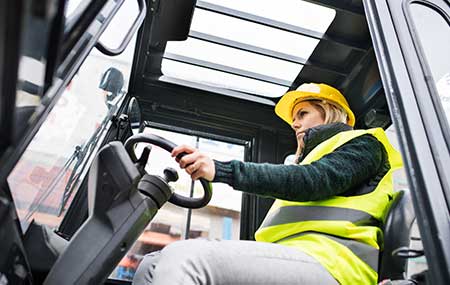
(397, 230)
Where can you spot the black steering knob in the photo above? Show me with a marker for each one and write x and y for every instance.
(170, 174)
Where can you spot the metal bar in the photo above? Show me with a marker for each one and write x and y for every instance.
(276, 24)
(191, 194)
(231, 93)
(246, 47)
(422, 140)
(339, 6)
(257, 19)
(81, 25)
(227, 69)
(265, 52)
(11, 13)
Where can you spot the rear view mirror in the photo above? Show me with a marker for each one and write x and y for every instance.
(134, 113)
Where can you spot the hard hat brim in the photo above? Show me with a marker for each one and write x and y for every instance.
(284, 107)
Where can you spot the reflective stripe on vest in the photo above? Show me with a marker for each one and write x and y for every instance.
(292, 214)
(365, 252)
(348, 226)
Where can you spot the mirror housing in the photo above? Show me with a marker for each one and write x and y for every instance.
(134, 113)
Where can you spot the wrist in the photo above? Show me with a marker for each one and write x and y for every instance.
(223, 172)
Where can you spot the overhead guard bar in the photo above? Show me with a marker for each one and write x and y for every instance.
(278, 25)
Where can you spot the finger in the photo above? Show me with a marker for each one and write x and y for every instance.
(182, 148)
(203, 170)
(188, 159)
(198, 170)
(198, 173)
(191, 168)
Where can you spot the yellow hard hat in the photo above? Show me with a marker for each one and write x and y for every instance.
(312, 91)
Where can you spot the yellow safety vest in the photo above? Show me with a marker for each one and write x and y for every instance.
(342, 233)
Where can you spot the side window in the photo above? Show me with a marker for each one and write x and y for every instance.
(220, 219)
(431, 25)
(416, 264)
(48, 174)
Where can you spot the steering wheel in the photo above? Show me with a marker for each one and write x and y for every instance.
(179, 200)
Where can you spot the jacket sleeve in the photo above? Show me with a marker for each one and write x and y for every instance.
(346, 167)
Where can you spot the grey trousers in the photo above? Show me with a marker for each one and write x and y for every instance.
(230, 262)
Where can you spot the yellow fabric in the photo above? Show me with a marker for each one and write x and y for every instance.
(352, 271)
(312, 91)
(345, 266)
(366, 234)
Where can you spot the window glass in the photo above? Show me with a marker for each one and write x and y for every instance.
(297, 14)
(49, 172)
(432, 31)
(220, 79)
(416, 264)
(219, 219)
(235, 58)
(51, 168)
(75, 7)
(252, 33)
(293, 12)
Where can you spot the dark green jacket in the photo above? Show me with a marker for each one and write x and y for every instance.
(354, 168)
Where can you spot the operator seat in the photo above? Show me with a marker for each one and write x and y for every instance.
(397, 230)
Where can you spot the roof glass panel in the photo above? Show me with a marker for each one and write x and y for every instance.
(252, 33)
(220, 79)
(251, 46)
(293, 12)
(235, 58)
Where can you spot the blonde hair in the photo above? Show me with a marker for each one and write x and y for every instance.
(330, 112)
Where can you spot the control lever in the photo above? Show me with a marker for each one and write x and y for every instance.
(142, 161)
(170, 174)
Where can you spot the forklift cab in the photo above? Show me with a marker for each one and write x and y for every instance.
(86, 184)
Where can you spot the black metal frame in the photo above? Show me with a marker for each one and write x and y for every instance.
(11, 15)
(421, 142)
(332, 70)
(424, 64)
(411, 100)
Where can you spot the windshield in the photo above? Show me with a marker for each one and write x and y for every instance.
(51, 169)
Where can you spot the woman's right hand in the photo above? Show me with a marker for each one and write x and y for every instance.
(197, 164)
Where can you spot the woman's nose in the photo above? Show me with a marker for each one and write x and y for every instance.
(295, 125)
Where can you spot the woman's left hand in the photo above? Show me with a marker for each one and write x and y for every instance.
(197, 164)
